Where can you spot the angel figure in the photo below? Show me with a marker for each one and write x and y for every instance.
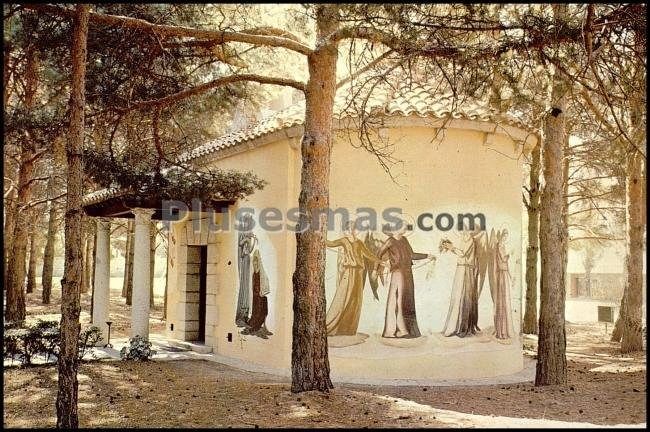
(462, 316)
(256, 325)
(345, 308)
(500, 285)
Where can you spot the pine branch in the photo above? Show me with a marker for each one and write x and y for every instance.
(200, 89)
(219, 37)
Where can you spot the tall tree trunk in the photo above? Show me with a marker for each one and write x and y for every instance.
(309, 359)
(127, 252)
(632, 339)
(68, 386)
(6, 73)
(15, 309)
(152, 259)
(530, 316)
(11, 207)
(48, 255)
(85, 258)
(551, 349)
(129, 275)
(34, 245)
(617, 331)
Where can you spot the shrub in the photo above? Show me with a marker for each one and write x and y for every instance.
(11, 344)
(138, 349)
(88, 338)
(47, 338)
(43, 337)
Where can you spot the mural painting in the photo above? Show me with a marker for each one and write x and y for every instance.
(389, 265)
(501, 292)
(256, 325)
(462, 316)
(477, 256)
(401, 320)
(246, 243)
(345, 308)
(252, 303)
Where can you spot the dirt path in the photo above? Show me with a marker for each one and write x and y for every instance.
(198, 393)
(604, 388)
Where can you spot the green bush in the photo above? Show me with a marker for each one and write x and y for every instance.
(138, 349)
(43, 337)
(88, 338)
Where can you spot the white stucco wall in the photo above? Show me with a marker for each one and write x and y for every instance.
(464, 171)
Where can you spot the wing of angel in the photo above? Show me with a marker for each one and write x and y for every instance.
(491, 261)
(372, 245)
(482, 257)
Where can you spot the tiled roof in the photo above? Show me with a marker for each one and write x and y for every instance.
(416, 99)
(420, 100)
(101, 195)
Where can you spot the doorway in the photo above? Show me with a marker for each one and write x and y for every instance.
(197, 258)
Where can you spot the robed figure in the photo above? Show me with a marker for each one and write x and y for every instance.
(245, 246)
(345, 308)
(462, 316)
(500, 285)
(401, 319)
(256, 324)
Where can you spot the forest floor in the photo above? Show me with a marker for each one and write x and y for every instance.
(119, 311)
(604, 388)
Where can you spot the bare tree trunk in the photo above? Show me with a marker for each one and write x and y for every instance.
(34, 245)
(11, 207)
(530, 316)
(85, 257)
(309, 359)
(127, 263)
(129, 258)
(68, 386)
(632, 339)
(15, 309)
(551, 350)
(152, 259)
(617, 332)
(48, 255)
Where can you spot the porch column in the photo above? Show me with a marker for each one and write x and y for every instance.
(141, 253)
(101, 287)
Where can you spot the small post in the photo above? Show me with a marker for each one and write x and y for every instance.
(108, 342)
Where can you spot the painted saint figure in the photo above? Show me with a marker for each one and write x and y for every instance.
(401, 320)
(501, 291)
(345, 308)
(256, 325)
(462, 316)
(246, 244)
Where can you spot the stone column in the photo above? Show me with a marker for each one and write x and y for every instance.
(141, 252)
(101, 288)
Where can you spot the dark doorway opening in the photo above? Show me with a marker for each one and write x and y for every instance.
(203, 270)
(197, 257)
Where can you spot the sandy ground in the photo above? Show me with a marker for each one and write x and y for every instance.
(119, 311)
(605, 388)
